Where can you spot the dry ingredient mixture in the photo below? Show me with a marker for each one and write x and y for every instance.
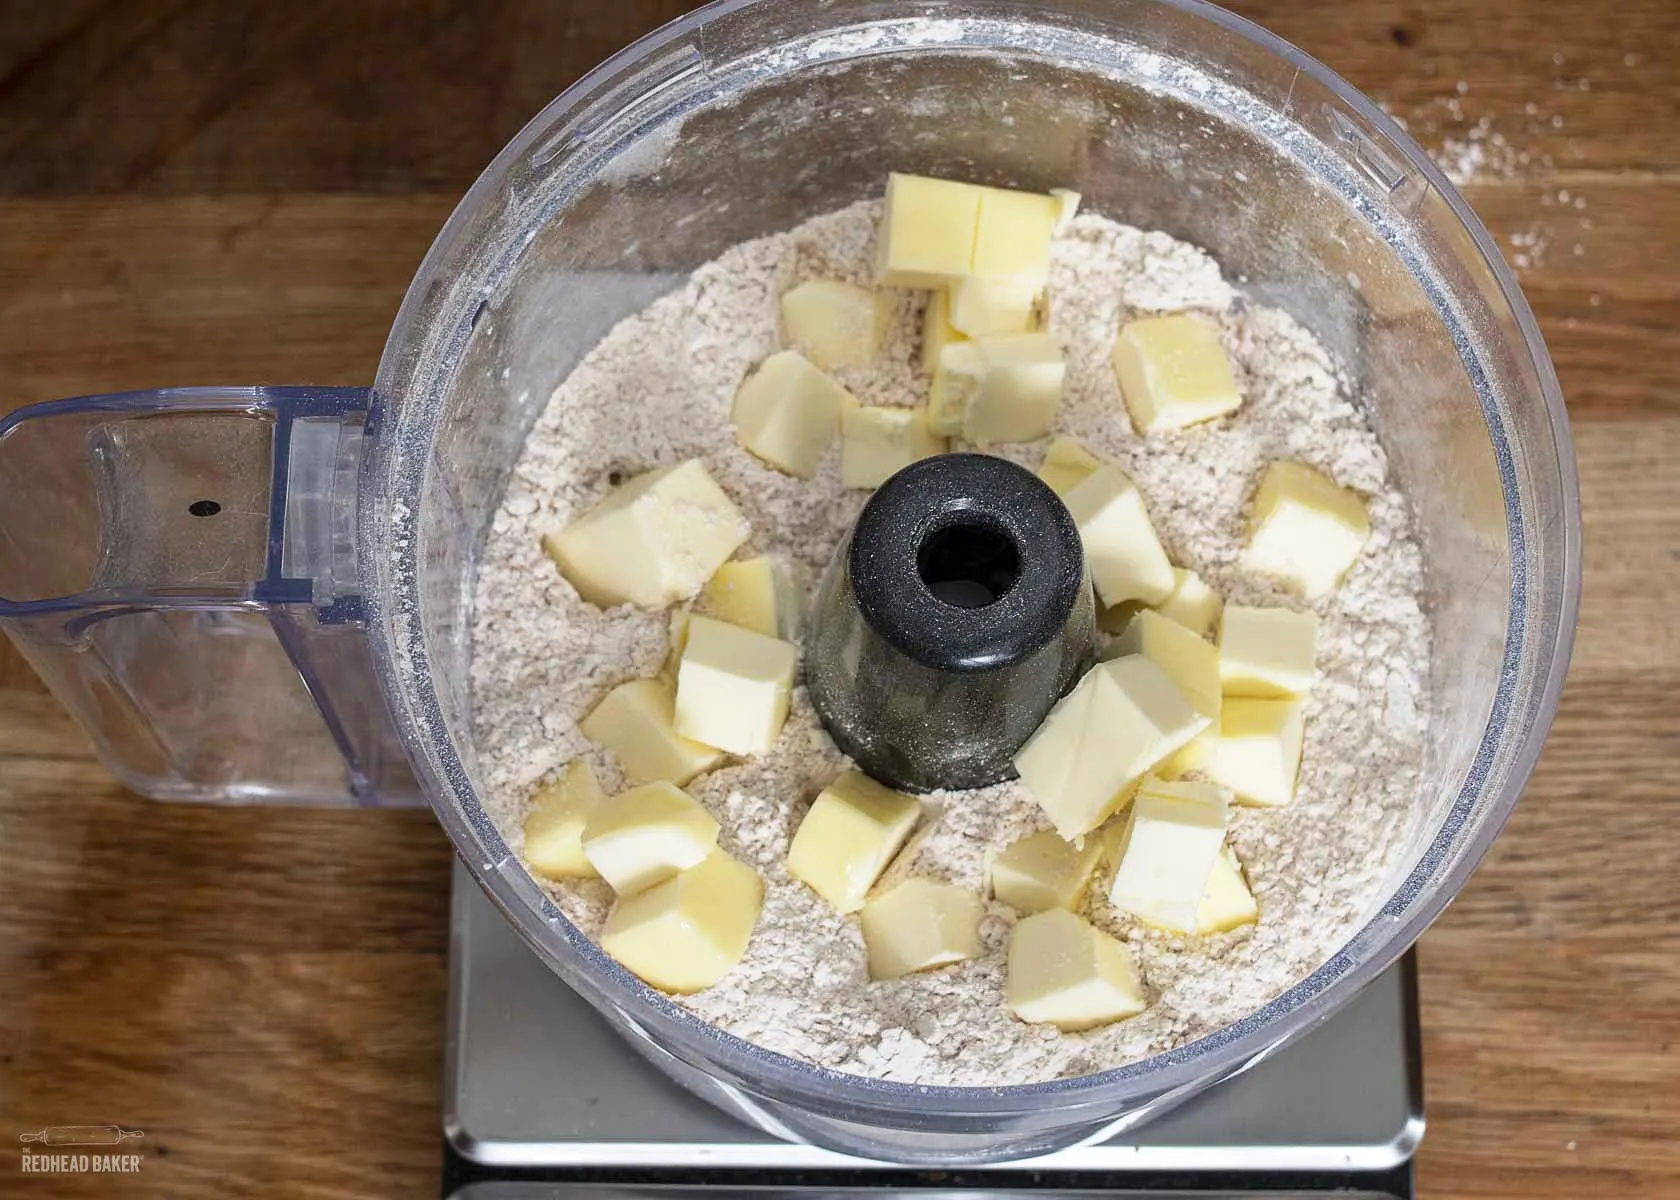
(658, 390)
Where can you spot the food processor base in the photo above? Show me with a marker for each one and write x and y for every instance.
(543, 1101)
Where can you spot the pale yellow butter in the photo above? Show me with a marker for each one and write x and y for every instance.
(754, 593)
(1173, 834)
(1305, 529)
(676, 639)
(998, 388)
(733, 686)
(1126, 558)
(1192, 603)
(1124, 717)
(928, 230)
(1066, 464)
(1173, 372)
(1189, 661)
(554, 825)
(876, 442)
(635, 722)
(1258, 752)
(1267, 653)
(1043, 871)
(685, 934)
(1067, 207)
(1012, 236)
(937, 330)
(1227, 903)
(654, 539)
(646, 835)
(1064, 971)
(919, 925)
(980, 306)
(848, 838)
(835, 324)
(787, 412)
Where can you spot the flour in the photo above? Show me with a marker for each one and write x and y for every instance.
(658, 389)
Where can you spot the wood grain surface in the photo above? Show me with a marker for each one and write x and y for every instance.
(206, 191)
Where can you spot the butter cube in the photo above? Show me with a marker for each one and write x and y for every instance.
(787, 412)
(1194, 755)
(997, 388)
(836, 324)
(654, 539)
(1067, 207)
(927, 231)
(980, 306)
(733, 686)
(1066, 464)
(676, 639)
(646, 835)
(1192, 603)
(919, 925)
(1012, 236)
(1258, 753)
(636, 722)
(1174, 834)
(554, 826)
(1304, 529)
(1122, 718)
(1125, 557)
(854, 828)
(1227, 903)
(937, 330)
(1267, 653)
(1173, 372)
(876, 442)
(1189, 662)
(1042, 871)
(754, 593)
(1064, 971)
(685, 934)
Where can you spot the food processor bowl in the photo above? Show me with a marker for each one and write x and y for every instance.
(747, 118)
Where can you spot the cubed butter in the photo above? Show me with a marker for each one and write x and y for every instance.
(636, 722)
(1190, 662)
(1067, 208)
(787, 412)
(1043, 871)
(654, 539)
(836, 324)
(1174, 832)
(876, 442)
(1066, 464)
(848, 838)
(919, 925)
(1126, 558)
(685, 934)
(1192, 603)
(1101, 738)
(676, 639)
(998, 388)
(1173, 372)
(554, 825)
(733, 686)
(1064, 971)
(927, 233)
(1258, 752)
(646, 835)
(1305, 529)
(1267, 653)
(991, 306)
(754, 593)
(1012, 236)
(1195, 754)
(1227, 903)
(937, 330)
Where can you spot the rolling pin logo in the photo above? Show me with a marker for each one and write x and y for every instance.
(83, 1135)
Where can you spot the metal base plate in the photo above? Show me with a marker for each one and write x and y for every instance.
(538, 1086)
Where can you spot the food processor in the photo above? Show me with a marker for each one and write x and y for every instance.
(265, 594)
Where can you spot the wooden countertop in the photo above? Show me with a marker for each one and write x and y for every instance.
(203, 192)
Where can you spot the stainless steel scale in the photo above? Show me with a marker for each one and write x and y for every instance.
(542, 1099)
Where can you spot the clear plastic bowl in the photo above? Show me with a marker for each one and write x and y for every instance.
(746, 118)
